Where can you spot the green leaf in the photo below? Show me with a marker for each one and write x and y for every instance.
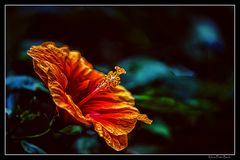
(86, 145)
(24, 82)
(160, 128)
(71, 130)
(166, 101)
(138, 68)
(28, 115)
(142, 97)
(31, 148)
(142, 149)
(158, 104)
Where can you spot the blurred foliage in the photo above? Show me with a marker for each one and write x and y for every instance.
(179, 63)
(143, 70)
(27, 115)
(31, 148)
(160, 128)
(86, 145)
(24, 82)
(192, 109)
(71, 130)
(142, 149)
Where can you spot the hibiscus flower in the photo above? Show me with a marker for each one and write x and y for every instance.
(87, 95)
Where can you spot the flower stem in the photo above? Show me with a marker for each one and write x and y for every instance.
(40, 134)
(33, 136)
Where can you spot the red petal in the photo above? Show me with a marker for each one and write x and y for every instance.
(115, 111)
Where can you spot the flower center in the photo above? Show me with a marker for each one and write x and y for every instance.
(111, 80)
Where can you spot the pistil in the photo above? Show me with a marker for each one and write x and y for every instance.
(111, 80)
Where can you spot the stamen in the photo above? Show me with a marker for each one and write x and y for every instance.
(111, 80)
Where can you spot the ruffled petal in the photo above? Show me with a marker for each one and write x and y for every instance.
(57, 83)
(114, 111)
(116, 98)
(81, 77)
(116, 142)
(79, 73)
(67, 75)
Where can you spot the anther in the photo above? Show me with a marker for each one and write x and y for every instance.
(112, 79)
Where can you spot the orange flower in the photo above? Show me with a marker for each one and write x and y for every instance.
(88, 95)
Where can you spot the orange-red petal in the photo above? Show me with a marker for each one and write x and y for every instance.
(114, 116)
(116, 142)
(67, 74)
(71, 64)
